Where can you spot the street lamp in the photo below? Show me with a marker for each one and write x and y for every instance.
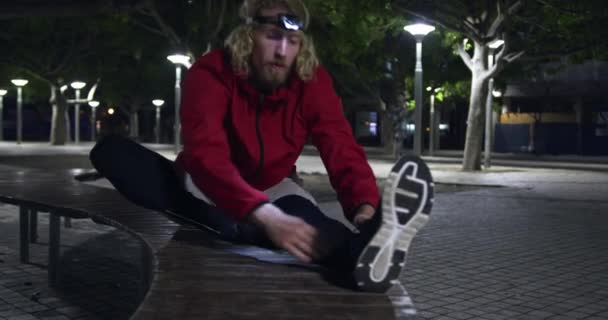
(489, 123)
(2, 94)
(178, 60)
(93, 104)
(158, 103)
(418, 30)
(19, 83)
(77, 85)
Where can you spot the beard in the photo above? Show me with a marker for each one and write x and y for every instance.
(270, 78)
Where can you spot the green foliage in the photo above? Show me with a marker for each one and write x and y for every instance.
(350, 36)
(47, 50)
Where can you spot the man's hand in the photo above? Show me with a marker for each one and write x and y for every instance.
(363, 214)
(288, 232)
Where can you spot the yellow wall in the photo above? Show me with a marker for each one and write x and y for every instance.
(523, 118)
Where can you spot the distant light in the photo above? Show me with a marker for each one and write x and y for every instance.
(428, 129)
(496, 43)
(373, 128)
(184, 60)
(111, 111)
(3, 92)
(158, 102)
(78, 85)
(443, 126)
(419, 29)
(63, 88)
(19, 82)
(429, 88)
(438, 89)
(496, 93)
(410, 127)
(94, 104)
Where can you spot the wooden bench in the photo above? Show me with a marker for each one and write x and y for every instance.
(191, 274)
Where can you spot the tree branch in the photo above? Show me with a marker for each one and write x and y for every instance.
(466, 58)
(434, 21)
(503, 49)
(71, 8)
(148, 28)
(559, 8)
(513, 56)
(166, 29)
(220, 20)
(498, 66)
(514, 7)
(470, 26)
(500, 17)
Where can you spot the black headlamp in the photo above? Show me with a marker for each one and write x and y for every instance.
(284, 21)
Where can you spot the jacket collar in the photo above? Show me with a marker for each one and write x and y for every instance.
(278, 97)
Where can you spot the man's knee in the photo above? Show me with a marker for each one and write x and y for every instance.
(107, 148)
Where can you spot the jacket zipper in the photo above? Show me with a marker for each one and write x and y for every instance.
(259, 135)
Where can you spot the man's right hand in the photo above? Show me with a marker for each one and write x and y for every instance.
(288, 232)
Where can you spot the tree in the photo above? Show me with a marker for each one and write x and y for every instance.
(189, 27)
(358, 42)
(49, 42)
(547, 30)
(192, 27)
(368, 53)
(49, 50)
(482, 22)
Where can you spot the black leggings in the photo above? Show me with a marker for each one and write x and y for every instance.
(149, 180)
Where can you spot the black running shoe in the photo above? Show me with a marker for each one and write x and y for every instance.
(406, 203)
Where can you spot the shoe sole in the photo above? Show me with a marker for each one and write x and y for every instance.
(406, 204)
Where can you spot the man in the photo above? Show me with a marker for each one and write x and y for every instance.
(247, 111)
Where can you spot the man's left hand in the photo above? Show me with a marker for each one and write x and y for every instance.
(364, 213)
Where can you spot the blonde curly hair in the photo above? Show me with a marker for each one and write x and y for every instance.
(240, 41)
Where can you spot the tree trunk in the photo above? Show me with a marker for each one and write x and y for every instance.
(388, 132)
(476, 118)
(395, 114)
(60, 122)
(133, 125)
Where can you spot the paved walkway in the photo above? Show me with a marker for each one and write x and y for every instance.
(514, 243)
(99, 278)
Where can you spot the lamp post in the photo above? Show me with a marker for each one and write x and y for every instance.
(77, 85)
(2, 94)
(178, 60)
(418, 30)
(93, 104)
(489, 123)
(157, 103)
(19, 83)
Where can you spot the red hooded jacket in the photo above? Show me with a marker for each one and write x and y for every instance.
(238, 142)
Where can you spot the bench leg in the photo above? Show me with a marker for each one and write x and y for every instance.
(67, 222)
(33, 226)
(24, 224)
(54, 232)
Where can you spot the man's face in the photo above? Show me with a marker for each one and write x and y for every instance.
(274, 50)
